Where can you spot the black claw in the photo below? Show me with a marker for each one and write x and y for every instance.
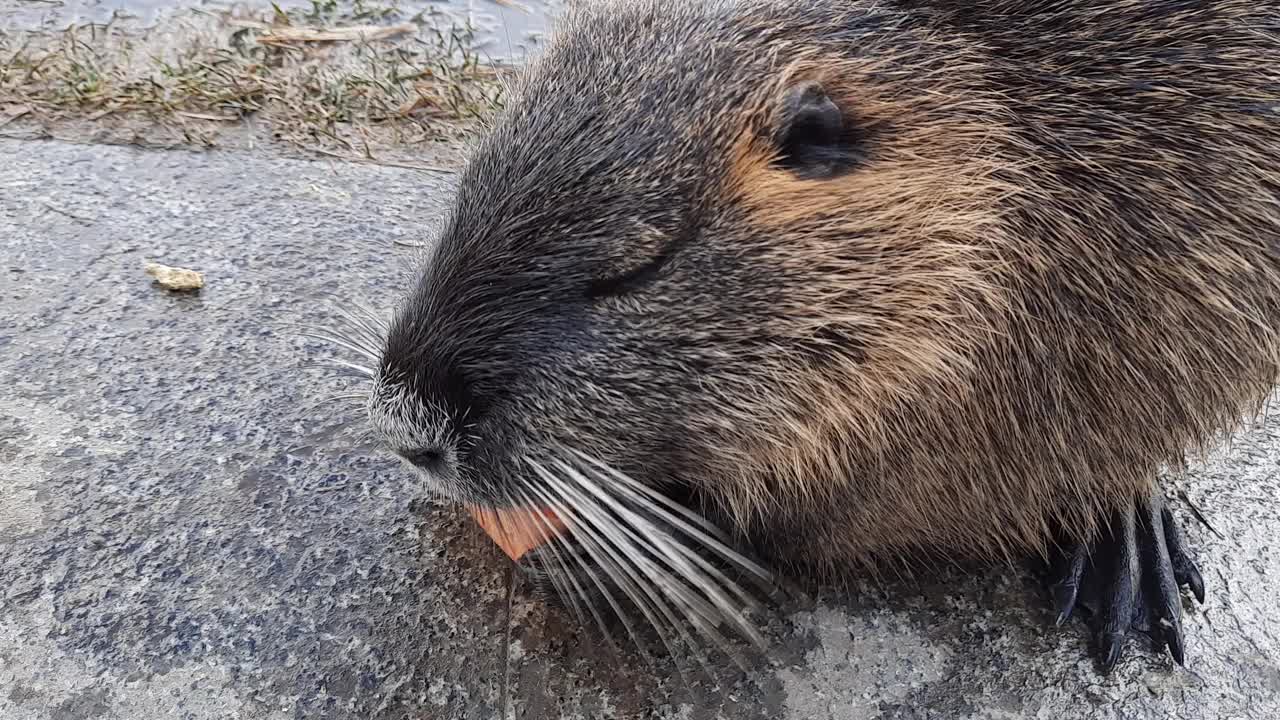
(1120, 590)
(1067, 588)
(1174, 641)
(1112, 645)
(1184, 568)
(1197, 585)
(1164, 607)
(1129, 579)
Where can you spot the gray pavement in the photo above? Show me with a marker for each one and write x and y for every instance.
(189, 528)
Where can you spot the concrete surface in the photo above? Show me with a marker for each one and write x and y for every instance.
(189, 529)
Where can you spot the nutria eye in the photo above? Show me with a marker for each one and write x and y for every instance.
(814, 141)
(628, 280)
(637, 259)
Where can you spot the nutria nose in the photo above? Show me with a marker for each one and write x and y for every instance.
(431, 459)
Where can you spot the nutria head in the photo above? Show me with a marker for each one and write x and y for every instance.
(856, 281)
(698, 251)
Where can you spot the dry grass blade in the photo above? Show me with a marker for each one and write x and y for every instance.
(14, 115)
(288, 34)
(513, 5)
(206, 116)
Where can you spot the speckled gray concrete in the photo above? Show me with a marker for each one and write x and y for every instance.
(188, 529)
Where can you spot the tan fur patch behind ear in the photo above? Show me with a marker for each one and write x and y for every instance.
(905, 158)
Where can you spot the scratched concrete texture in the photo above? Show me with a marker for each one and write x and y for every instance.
(191, 525)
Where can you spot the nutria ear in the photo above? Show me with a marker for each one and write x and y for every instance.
(814, 140)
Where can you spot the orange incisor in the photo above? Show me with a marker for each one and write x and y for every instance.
(518, 530)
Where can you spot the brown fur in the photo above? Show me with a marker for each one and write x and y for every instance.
(968, 423)
(1055, 272)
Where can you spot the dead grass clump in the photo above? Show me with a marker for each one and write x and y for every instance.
(316, 79)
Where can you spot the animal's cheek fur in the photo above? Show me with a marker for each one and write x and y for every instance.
(659, 406)
(892, 278)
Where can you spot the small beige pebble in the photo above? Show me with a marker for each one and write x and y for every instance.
(174, 278)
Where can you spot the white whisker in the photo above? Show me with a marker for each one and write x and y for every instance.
(605, 553)
(568, 512)
(362, 317)
(333, 400)
(341, 342)
(360, 327)
(703, 612)
(707, 540)
(362, 371)
(555, 543)
(628, 550)
(555, 578)
(698, 593)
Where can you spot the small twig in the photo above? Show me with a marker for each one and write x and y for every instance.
(286, 34)
(1182, 494)
(384, 163)
(408, 166)
(38, 134)
(513, 5)
(19, 113)
(67, 213)
(202, 116)
(504, 692)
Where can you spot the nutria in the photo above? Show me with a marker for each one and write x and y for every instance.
(860, 283)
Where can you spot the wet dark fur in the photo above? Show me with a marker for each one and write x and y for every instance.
(1046, 267)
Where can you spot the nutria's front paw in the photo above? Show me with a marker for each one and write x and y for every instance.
(1129, 578)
